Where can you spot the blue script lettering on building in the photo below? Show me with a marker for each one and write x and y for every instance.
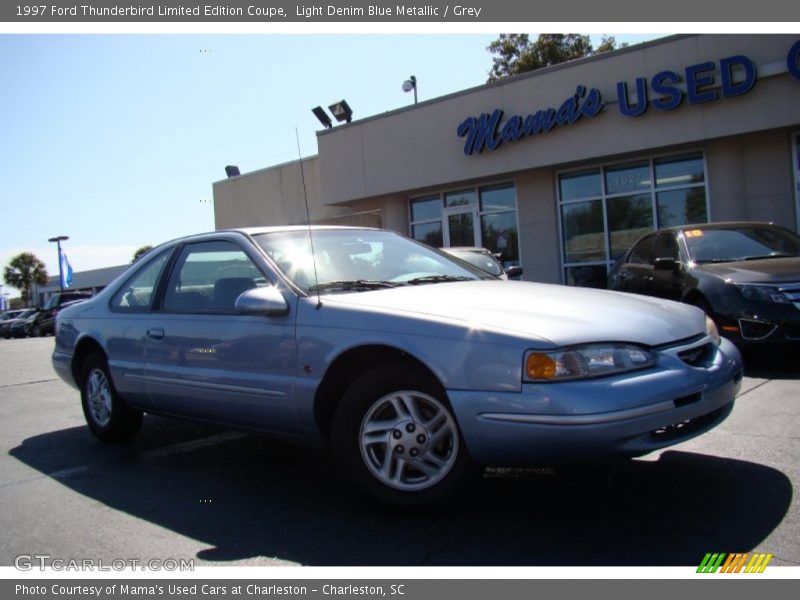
(737, 76)
(700, 82)
(485, 133)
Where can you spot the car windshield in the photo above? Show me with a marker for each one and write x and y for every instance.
(359, 260)
(25, 313)
(741, 243)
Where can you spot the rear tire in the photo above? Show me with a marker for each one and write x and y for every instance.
(395, 435)
(108, 416)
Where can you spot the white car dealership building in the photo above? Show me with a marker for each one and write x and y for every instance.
(561, 169)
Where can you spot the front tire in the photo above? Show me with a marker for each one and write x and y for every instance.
(396, 436)
(108, 416)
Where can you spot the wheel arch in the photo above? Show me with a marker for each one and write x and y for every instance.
(345, 369)
(83, 349)
(695, 297)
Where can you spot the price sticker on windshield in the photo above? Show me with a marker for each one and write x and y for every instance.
(692, 233)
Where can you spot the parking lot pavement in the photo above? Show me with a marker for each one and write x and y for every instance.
(189, 491)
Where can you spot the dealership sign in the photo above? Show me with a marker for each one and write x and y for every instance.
(665, 91)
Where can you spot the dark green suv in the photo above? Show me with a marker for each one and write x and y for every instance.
(46, 319)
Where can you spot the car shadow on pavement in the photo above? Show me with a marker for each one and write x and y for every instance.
(772, 362)
(244, 496)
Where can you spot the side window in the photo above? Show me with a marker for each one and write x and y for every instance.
(642, 252)
(209, 276)
(136, 294)
(666, 247)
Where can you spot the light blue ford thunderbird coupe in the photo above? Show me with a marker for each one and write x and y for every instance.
(414, 367)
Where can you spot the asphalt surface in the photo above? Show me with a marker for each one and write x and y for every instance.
(189, 491)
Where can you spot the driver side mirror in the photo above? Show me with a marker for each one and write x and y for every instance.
(265, 301)
(666, 264)
(515, 271)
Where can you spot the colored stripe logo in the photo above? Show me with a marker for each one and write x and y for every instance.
(737, 562)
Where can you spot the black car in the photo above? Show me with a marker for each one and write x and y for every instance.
(46, 319)
(746, 276)
(11, 326)
(5, 321)
(484, 260)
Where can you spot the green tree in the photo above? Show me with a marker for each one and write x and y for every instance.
(141, 252)
(23, 271)
(515, 53)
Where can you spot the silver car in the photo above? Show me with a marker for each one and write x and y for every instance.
(413, 367)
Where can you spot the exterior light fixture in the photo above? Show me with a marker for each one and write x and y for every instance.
(58, 239)
(323, 117)
(342, 111)
(232, 171)
(411, 84)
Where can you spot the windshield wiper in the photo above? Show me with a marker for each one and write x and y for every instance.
(707, 261)
(352, 284)
(438, 279)
(776, 255)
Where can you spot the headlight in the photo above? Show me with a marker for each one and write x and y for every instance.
(583, 362)
(711, 330)
(764, 293)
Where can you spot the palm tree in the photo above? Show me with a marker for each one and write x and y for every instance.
(23, 271)
(141, 252)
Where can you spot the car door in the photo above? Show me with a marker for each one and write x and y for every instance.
(634, 273)
(666, 283)
(125, 329)
(207, 361)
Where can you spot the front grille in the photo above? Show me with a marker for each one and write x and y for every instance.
(689, 427)
(792, 330)
(791, 291)
(700, 356)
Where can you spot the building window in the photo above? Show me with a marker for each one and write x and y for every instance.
(477, 216)
(604, 210)
(426, 221)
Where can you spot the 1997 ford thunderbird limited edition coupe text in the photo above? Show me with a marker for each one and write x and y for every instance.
(412, 366)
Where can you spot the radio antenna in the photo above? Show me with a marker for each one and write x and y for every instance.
(308, 220)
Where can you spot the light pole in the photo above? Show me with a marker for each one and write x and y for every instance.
(411, 84)
(58, 240)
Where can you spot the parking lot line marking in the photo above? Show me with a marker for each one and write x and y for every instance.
(10, 385)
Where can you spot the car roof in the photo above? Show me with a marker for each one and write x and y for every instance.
(251, 231)
(719, 225)
(286, 228)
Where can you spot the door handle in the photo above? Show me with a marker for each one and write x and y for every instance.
(156, 333)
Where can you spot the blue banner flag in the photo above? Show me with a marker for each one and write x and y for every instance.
(66, 271)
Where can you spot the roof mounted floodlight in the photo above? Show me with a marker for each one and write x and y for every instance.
(411, 84)
(323, 117)
(232, 171)
(342, 111)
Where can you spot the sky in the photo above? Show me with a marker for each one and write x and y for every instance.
(115, 140)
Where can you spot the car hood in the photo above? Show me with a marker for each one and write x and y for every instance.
(559, 314)
(769, 270)
(14, 321)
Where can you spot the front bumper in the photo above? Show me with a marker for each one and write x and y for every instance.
(622, 416)
(750, 322)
